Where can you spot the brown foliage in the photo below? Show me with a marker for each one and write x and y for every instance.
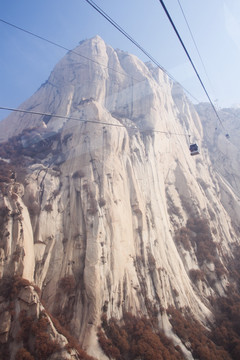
(78, 174)
(136, 339)
(196, 275)
(4, 352)
(6, 173)
(23, 354)
(33, 205)
(226, 331)
(102, 202)
(43, 346)
(202, 238)
(151, 261)
(4, 215)
(35, 143)
(48, 208)
(192, 332)
(17, 253)
(187, 204)
(14, 196)
(67, 284)
(93, 206)
(26, 324)
(183, 237)
(106, 344)
(22, 150)
(219, 269)
(197, 234)
(72, 342)
(11, 285)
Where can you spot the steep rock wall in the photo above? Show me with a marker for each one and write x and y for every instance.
(117, 185)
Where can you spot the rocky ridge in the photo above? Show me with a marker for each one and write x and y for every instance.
(111, 213)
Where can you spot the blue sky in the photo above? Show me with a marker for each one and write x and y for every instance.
(26, 62)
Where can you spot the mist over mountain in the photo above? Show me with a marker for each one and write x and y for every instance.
(110, 230)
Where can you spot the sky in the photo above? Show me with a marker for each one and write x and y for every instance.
(26, 61)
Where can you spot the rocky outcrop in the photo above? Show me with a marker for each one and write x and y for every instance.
(5, 320)
(26, 326)
(115, 215)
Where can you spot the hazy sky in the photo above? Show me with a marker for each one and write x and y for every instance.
(26, 62)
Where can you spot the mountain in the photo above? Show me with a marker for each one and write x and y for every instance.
(109, 225)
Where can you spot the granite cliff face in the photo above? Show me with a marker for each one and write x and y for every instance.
(111, 213)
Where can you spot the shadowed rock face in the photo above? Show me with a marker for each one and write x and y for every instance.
(108, 217)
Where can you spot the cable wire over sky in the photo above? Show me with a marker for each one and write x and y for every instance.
(25, 63)
(64, 48)
(119, 28)
(195, 44)
(189, 58)
(107, 67)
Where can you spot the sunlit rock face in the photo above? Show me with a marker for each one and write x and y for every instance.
(102, 211)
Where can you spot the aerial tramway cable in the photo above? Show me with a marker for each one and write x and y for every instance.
(129, 37)
(189, 58)
(67, 49)
(96, 62)
(87, 58)
(96, 7)
(88, 121)
(78, 54)
(109, 19)
(195, 44)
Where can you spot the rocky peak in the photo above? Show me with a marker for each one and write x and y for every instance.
(115, 217)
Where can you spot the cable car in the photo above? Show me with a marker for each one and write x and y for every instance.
(194, 149)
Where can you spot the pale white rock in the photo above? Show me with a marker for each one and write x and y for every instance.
(28, 245)
(29, 302)
(167, 328)
(125, 183)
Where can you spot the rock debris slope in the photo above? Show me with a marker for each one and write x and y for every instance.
(107, 214)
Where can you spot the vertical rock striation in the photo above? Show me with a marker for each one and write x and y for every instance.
(108, 216)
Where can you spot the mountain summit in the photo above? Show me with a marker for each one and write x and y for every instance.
(107, 213)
